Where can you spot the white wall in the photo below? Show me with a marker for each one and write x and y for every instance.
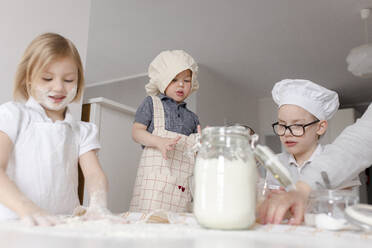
(267, 114)
(22, 20)
(342, 119)
(221, 102)
(128, 92)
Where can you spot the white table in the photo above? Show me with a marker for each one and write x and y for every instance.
(100, 235)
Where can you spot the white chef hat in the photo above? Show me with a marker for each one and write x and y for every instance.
(166, 66)
(319, 101)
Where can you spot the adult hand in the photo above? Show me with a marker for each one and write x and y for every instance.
(278, 204)
(167, 144)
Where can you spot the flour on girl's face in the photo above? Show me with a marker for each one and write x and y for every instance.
(43, 96)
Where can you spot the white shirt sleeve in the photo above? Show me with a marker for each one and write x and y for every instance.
(88, 137)
(346, 157)
(10, 119)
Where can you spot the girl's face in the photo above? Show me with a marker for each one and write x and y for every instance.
(180, 87)
(56, 86)
(292, 114)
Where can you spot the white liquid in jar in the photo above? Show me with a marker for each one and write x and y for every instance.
(225, 193)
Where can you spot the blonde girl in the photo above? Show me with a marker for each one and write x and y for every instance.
(41, 143)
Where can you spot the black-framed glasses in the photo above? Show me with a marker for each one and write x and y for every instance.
(295, 129)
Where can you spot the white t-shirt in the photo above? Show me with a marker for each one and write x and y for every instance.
(44, 159)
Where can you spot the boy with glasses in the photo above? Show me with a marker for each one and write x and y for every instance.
(303, 111)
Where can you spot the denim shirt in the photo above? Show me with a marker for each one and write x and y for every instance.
(177, 117)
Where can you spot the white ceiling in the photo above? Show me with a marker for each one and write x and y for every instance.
(253, 43)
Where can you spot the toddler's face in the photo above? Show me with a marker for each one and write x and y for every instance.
(292, 114)
(56, 86)
(180, 87)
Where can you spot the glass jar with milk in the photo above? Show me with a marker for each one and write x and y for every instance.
(225, 178)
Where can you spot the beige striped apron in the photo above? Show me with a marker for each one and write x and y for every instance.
(164, 184)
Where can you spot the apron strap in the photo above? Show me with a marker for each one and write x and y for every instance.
(159, 121)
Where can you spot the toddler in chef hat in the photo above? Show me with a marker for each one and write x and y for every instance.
(166, 128)
(304, 108)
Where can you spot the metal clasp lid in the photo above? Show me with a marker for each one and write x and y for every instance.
(267, 158)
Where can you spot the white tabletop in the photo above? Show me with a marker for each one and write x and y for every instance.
(99, 234)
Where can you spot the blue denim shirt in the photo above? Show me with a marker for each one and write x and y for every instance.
(178, 118)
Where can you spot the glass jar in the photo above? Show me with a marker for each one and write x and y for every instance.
(225, 178)
(326, 208)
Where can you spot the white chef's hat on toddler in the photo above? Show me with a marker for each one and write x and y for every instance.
(166, 66)
(319, 101)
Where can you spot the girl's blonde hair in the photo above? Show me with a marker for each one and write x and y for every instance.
(43, 50)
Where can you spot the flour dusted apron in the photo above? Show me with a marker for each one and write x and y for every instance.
(164, 184)
(43, 165)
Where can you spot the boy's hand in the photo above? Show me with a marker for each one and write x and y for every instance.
(278, 205)
(167, 144)
(279, 190)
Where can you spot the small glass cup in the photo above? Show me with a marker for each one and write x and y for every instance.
(326, 208)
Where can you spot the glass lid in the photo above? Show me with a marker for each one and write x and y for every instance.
(226, 130)
(360, 215)
(270, 161)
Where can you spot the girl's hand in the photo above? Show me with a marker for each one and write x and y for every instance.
(38, 217)
(79, 211)
(41, 220)
(94, 212)
(97, 209)
(167, 144)
(199, 129)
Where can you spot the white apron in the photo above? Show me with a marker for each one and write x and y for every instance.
(43, 165)
(164, 184)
